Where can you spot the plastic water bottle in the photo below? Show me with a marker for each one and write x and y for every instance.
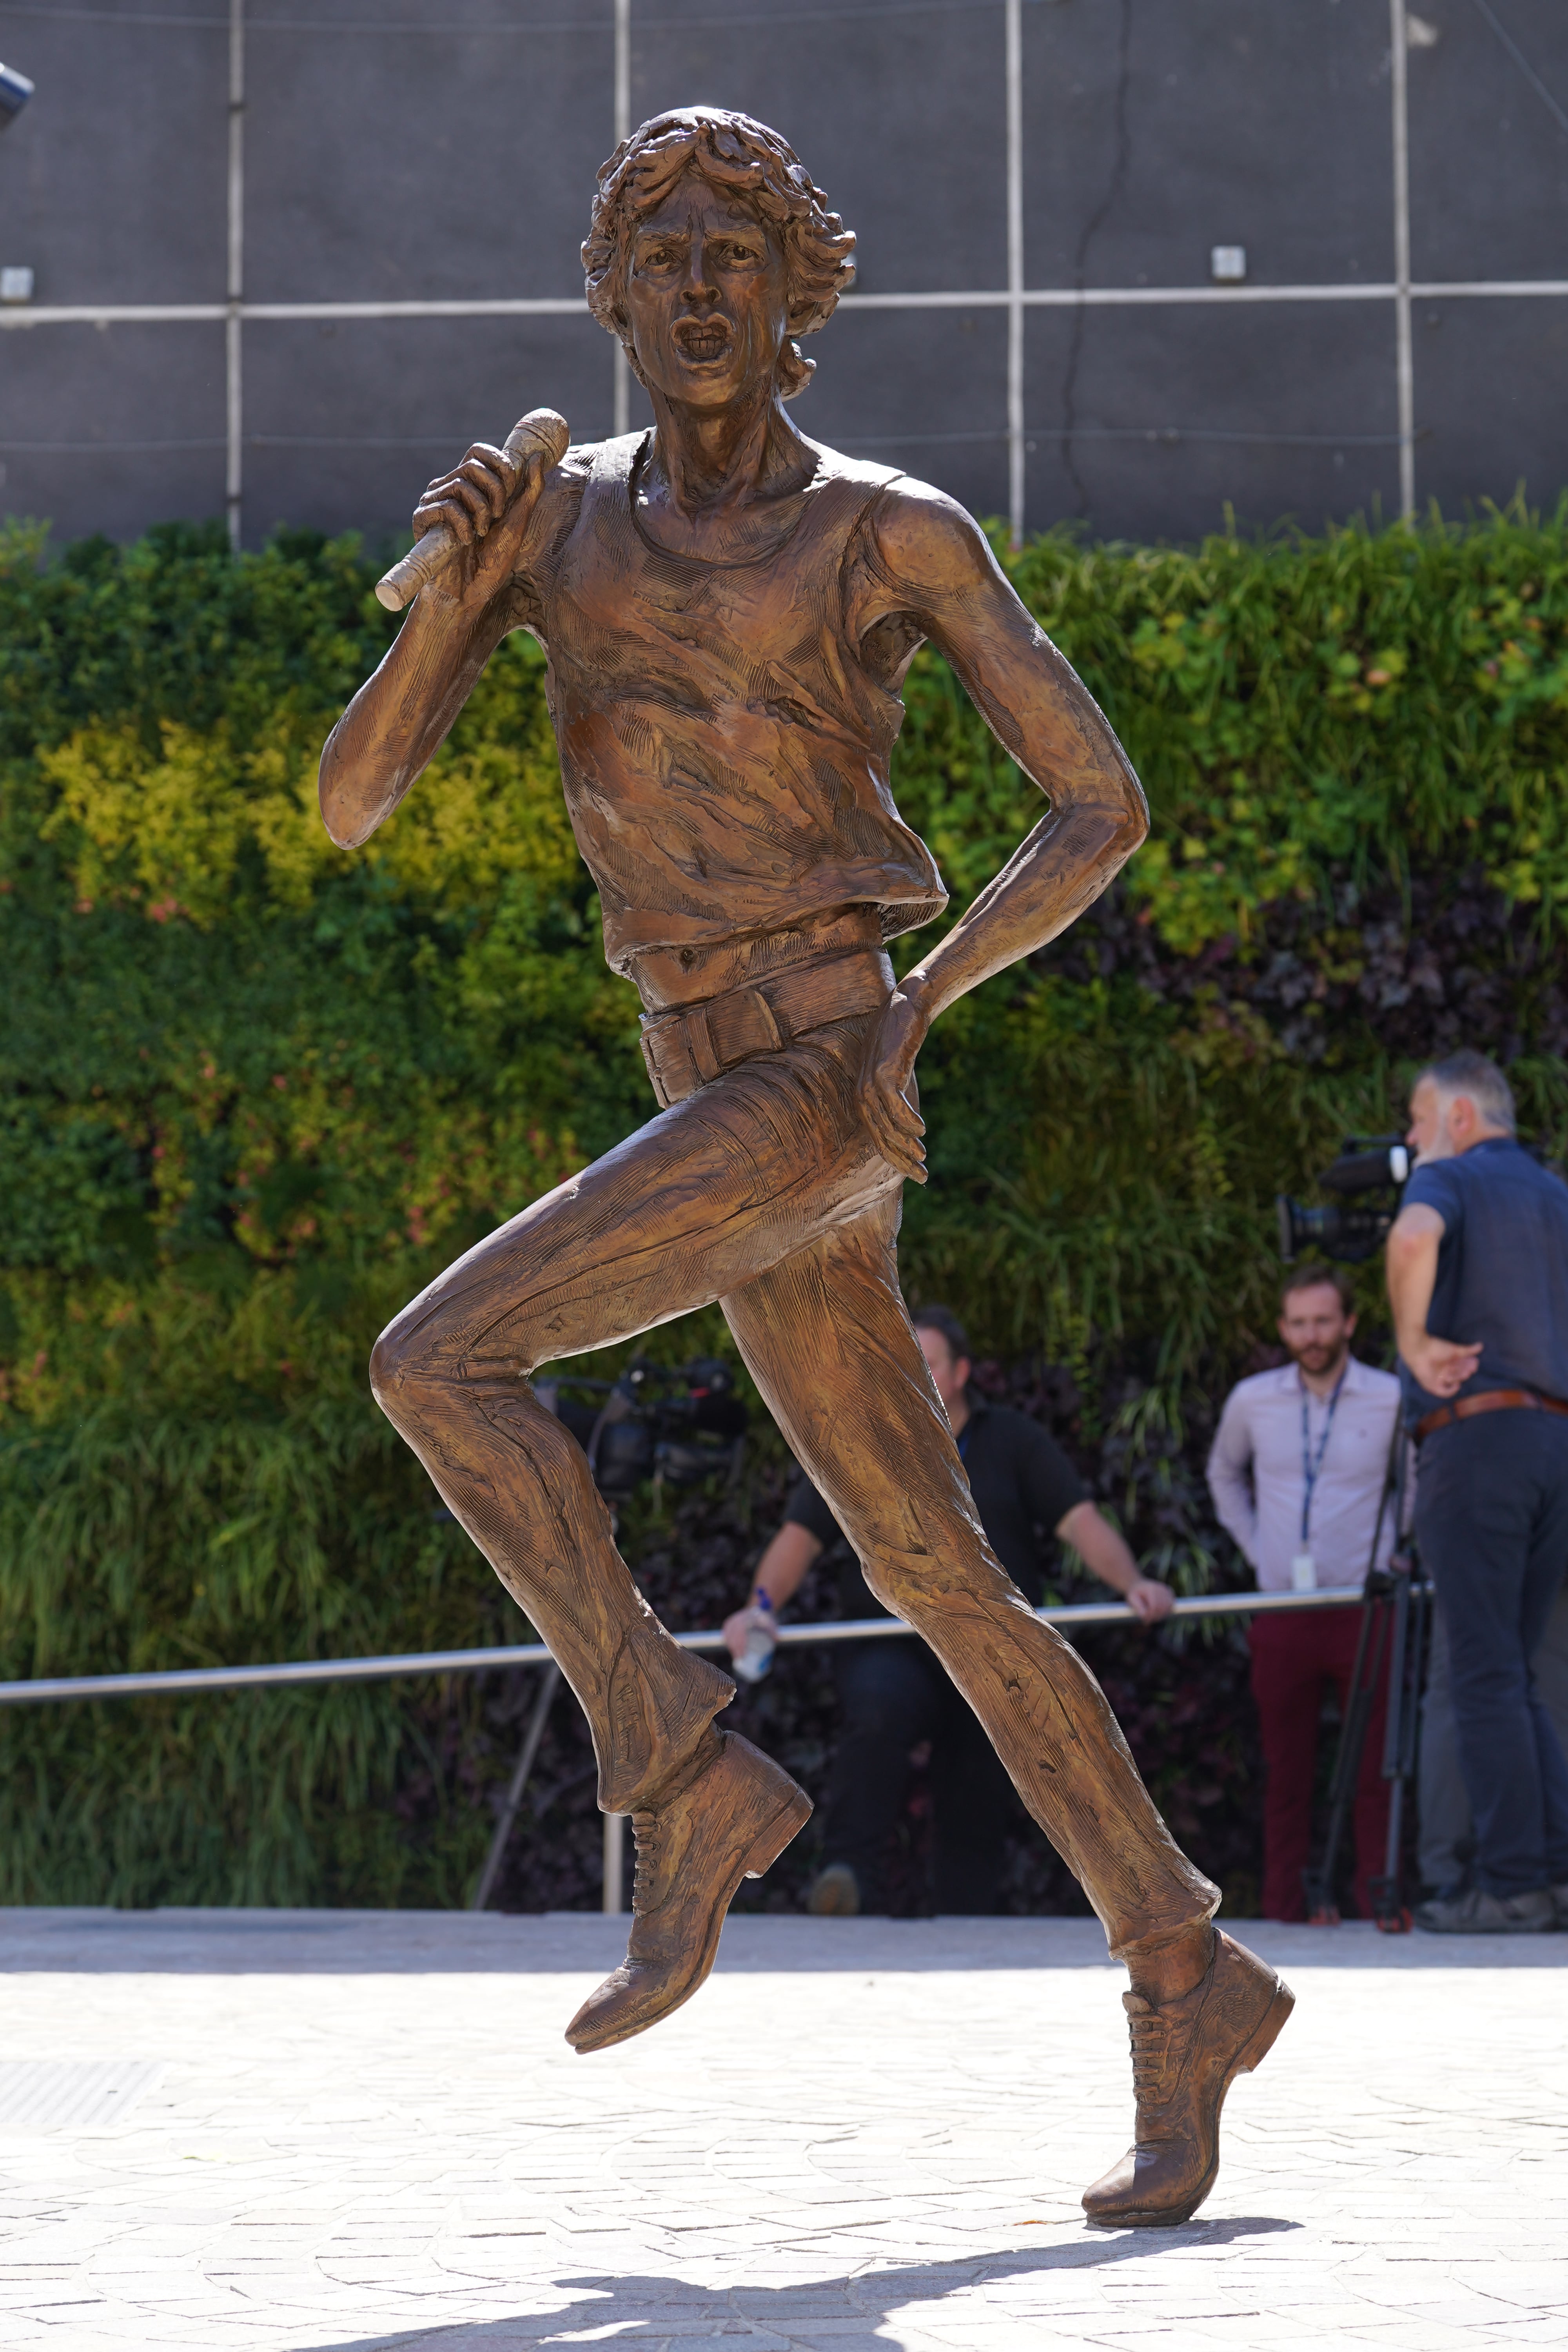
(760, 1642)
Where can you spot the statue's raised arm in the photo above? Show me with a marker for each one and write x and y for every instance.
(401, 716)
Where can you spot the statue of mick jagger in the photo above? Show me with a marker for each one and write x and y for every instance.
(729, 609)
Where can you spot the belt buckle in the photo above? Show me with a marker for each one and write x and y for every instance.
(735, 1027)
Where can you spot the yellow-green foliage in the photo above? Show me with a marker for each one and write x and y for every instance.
(1343, 701)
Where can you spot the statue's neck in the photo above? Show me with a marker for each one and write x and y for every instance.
(707, 461)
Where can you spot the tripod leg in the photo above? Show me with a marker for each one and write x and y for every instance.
(1392, 1915)
(1394, 1730)
(532, 1738)
(1399, 1752)
(1420, 1631)
(1321, 1909)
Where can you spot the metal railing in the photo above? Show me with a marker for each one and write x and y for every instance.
(179, 1681)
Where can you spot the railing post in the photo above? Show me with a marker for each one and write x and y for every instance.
(509, 1811)
(615, 1862)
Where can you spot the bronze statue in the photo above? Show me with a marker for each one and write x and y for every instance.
(729, 610)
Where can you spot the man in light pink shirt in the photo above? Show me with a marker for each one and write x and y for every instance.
(1297, 1473)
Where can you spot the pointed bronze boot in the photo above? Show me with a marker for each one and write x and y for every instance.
(1185, 2056)
(728, 1814)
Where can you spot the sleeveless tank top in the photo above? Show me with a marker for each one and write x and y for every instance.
(723, 749)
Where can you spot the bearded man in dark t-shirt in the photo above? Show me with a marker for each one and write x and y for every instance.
(892, 1697)
(728, 611)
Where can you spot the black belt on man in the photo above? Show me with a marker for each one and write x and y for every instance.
(1490, 1401)
(690, 1044)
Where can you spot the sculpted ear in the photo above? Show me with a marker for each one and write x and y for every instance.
(793, 372)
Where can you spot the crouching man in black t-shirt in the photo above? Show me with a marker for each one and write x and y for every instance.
(893, 1696)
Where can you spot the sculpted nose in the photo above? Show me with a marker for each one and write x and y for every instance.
(696, 288)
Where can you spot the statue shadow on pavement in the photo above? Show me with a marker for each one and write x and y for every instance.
(645, 2308)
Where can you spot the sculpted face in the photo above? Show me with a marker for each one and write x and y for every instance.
(706, 297)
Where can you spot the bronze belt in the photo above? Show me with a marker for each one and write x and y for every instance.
(691, 1044)
(1490, 1401)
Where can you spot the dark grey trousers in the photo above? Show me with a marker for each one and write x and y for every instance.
(1447, 1825)
(1492, 1519)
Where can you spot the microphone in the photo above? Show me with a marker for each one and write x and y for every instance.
(540, 430)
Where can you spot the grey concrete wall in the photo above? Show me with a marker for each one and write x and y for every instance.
(420, 150)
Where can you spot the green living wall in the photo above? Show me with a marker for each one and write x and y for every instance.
(256, 1092)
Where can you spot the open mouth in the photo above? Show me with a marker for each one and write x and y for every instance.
(705, 340)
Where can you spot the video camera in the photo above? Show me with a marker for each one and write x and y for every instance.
(1367, 1164)
(675, 1423)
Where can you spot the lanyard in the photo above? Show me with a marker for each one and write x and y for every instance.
(1313, 1463)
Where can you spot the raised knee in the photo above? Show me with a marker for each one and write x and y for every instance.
(395, 1357)
(424, 1351)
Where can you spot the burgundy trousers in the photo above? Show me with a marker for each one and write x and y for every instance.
(1295, 1660)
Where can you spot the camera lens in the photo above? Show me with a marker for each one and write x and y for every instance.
(1305, 1225)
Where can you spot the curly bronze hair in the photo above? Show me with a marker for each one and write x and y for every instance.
(744, 159)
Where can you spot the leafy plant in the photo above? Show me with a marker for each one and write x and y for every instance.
(257, 1092)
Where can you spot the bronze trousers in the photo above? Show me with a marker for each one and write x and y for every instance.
(763, 1191)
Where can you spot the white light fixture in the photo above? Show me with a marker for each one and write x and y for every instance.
(1227, 264)
(16, 90)
(16, 285)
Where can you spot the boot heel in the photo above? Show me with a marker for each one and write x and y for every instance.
(1269, 2031)
(786, 1824)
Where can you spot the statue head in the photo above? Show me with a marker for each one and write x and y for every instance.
(754, 174)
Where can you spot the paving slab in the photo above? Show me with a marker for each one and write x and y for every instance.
(330, 2132)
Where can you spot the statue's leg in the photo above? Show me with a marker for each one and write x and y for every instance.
(452, 1374)
(697, 1201)
(654, 1229)
(828, 1342)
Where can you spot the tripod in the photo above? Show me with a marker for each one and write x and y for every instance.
(1396, 1613)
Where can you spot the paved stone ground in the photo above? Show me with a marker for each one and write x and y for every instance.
(365, 2130)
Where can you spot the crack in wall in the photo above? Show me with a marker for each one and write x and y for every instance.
(1091, 229)
(1523, 62)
